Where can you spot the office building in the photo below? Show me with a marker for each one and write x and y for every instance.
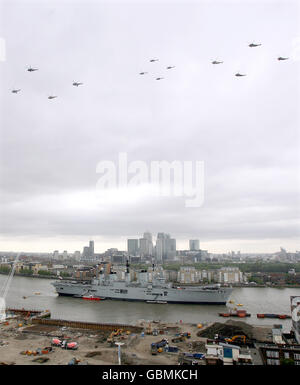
(194, 245)
(133, 246)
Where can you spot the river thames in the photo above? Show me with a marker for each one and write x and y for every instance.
(254, 300)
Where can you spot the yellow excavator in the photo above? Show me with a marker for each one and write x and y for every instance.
(239, 338)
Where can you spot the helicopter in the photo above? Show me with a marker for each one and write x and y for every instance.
(170, 67)
(238, 74)
(52, 97)
(15, 91)
(153, 60)
(253, 45)
(216, 62)
(77, 84)
(159, 78)
(143, 73)
(282, 58)
(30, 69)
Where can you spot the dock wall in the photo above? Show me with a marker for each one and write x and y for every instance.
(86, 325)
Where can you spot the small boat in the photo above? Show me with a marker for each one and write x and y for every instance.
(238, 313)
(224, 314)
(37, 293)
(91, 298)
(160, 302)
(239, 304)
(271, 315)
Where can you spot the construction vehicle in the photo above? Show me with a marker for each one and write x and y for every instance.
(237, 338)
(69, 345)
(181, 337)
(56, 342)
(178, 339)
(157, 347)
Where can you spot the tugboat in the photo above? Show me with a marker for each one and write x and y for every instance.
(91, 297)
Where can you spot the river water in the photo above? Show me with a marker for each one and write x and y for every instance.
(254, 300)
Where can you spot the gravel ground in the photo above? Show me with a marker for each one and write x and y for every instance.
(93, 348)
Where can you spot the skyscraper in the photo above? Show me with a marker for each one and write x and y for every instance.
(88, 251)
(194, 245)
(91, 246)
(165, 247)
(133, 246)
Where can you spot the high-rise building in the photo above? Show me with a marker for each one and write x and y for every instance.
(144, 250)
(159, 250)
(171, 248)
(133, 246)
(91, 246)
(77, 255)
(194, 245)
(88, 251)
(148, 236)
(165, 247)
(146, 245)
(55, 254)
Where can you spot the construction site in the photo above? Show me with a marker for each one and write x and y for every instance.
(31, 337)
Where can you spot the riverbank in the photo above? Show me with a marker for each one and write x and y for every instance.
(175, 283)
(32, 276)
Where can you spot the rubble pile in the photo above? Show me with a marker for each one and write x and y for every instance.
(227, 329)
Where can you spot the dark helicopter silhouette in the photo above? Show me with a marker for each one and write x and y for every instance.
(216, 62)
(253, 45)
(170, 67)
(159, 78)
(15, 91)
(30, 69)
(77, 84)
(282, 58)
(153, 60)
(143, 73)
(52, 97)
(238, 74)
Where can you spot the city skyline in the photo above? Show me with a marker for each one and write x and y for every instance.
(181, 245)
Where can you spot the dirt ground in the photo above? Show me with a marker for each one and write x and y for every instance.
(93, 348)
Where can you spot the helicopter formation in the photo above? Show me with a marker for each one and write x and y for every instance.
(153, 60)
(238, 74)
(156, 78)
(50, 97)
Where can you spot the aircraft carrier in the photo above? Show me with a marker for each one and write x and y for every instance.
(107, 286)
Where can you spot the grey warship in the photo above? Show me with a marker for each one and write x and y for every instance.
(156, 290)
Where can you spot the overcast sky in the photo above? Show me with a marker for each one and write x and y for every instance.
(245, 130)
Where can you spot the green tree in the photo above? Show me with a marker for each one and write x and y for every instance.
(44, 272)
(287, 361)
(5, 269)
(26, 272)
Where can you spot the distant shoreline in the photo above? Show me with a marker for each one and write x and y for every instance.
(176, 283)
(31, 276)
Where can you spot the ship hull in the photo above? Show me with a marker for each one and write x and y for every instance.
(154, 302)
